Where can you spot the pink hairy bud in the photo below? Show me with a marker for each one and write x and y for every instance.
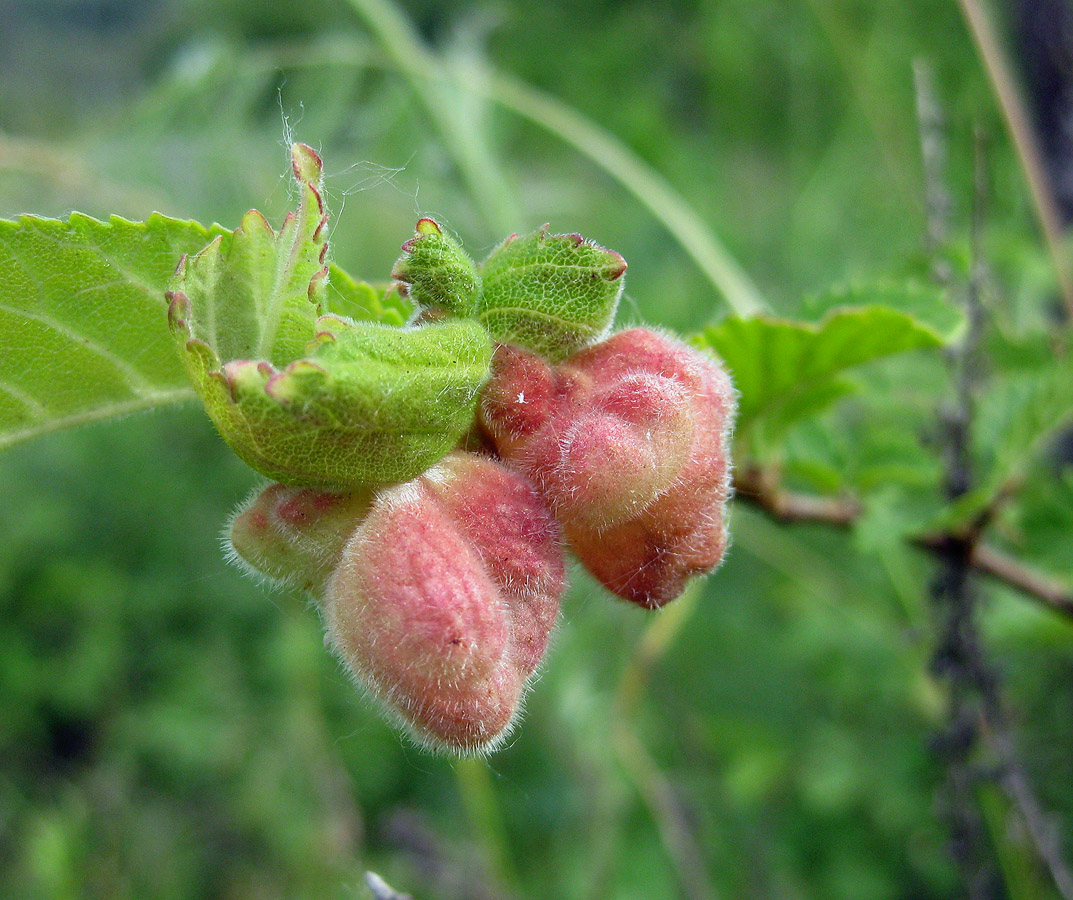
(295, 535)
(445, 597)
(628, 442)
(602, 441)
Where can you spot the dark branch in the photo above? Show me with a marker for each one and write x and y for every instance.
(758, 488)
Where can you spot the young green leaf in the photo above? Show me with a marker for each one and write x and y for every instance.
(550, 293)
(82, 319)
(436, 273)
(317, 400)
(257, 295)
(363, 302)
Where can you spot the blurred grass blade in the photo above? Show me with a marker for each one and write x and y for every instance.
(381, 890)
(472, 155)
(1019, 124)
(83, 320)
(647, 185)
(425, 70)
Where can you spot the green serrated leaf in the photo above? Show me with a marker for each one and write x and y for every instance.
(788, 370)
(82, 319)
(550, 293)
(368, 403)
(310, 399)
(926, 304)
(257, 295)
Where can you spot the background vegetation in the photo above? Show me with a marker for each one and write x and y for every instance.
(169, 729)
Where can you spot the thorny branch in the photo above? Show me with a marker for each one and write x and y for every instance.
(760, 488)
(958, 656)
(977, 715)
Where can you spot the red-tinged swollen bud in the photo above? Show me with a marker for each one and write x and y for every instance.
(518, 399)
(628, 442)
(295, 535)
(445, 597)
(602, 434)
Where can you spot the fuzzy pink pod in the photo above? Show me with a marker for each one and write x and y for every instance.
(295, 535)
(445, 597)
(628, 442)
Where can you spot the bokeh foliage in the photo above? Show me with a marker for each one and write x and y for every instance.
(170, 730)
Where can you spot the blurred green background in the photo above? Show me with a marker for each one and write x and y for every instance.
(170, 729)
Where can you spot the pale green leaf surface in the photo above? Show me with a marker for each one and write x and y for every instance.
(551, 293)
(83, 319)
(310, 399)
(368, 404)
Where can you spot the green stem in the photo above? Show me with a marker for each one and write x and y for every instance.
(482, 810)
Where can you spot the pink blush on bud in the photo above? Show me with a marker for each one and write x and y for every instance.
(445, 598)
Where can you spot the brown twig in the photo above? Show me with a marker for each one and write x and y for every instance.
(1005, 568)
(760, 488)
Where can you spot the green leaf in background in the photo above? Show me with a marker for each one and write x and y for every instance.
(551, 293)
(1025, 406)
(311, 399)
(789, 370)
(1023, 415)
(926, 304)
(83, 319)
(363, 302)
